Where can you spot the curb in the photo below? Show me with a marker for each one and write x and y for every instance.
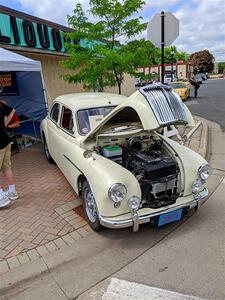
(44, 264)
(21, 274)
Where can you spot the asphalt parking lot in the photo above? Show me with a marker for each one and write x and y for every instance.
(210, 103)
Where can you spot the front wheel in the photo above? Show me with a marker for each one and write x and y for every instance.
(90, 207)
(47, 153)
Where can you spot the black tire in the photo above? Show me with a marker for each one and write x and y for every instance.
(47, 153)
(90, 207)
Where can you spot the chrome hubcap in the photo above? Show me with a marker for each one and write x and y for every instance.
(90, 205)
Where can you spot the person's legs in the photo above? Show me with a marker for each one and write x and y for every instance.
(196, 93)
(2, 155)
(6, 167)
(4, 200)
(9, 177)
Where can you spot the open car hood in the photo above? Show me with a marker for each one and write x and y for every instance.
(151, 107)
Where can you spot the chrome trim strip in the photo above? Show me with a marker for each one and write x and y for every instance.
(132, 222)
(73, 163)
(201, 198)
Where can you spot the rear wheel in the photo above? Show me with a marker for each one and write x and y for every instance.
(90, 207)
(47, 153)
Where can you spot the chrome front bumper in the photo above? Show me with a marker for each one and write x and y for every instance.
(135, 220)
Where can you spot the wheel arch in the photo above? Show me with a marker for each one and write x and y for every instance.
(43, 138)
(80, 180)
(44, 131)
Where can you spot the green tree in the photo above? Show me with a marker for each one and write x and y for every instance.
(172, 55)
(105, 52)
(221, 67)
(202, 61)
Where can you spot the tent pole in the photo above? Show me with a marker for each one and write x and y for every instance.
(44, 90)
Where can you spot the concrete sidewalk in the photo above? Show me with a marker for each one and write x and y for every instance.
(43, 221)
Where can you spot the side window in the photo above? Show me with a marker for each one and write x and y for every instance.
(55, 112)
(67, 119)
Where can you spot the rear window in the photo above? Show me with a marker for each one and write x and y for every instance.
(67, 120)
(89, 118)
(55, 112)
(178, 85)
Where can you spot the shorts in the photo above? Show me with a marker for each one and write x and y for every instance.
(5, 158)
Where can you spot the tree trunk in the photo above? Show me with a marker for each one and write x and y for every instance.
(119, 86)
(117, 80)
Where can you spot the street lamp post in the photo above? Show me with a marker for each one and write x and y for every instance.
(172, 53)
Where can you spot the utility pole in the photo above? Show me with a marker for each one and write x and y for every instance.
(162, 45)
(172, 53)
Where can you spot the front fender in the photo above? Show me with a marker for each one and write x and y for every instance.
(191, 161)
(43, 130)
(101, 174)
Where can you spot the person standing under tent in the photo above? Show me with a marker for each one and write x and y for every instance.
(6, 114)
(13, 124)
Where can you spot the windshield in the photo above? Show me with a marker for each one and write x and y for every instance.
(89, 118)
(177, 85)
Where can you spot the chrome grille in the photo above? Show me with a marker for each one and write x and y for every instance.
(165, 103)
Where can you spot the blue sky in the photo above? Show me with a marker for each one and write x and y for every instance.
(202, 22)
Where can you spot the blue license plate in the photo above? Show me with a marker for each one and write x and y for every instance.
(170, 217)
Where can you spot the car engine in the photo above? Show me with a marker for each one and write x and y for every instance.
(156, 172)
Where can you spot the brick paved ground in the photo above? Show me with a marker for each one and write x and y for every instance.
(44, 210)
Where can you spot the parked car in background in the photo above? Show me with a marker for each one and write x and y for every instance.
(141, 82)
(137, 82)
(168, 78)
(181, 88)
(204, 77)
(198, 78)
(112, 151)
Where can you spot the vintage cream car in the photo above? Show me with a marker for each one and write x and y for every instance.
(112, 151)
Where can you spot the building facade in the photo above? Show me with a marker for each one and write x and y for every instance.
(183, 70)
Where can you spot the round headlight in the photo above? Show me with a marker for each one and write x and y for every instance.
(134, 203)
(117, 192)
(204, 172)
(196, 185)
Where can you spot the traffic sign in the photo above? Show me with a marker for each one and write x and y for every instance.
(171, 29)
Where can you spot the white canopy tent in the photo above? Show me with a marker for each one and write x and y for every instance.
(10, 61)
(30, 101)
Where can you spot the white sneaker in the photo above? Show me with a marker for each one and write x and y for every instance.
(4, 201)
(11, 195)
